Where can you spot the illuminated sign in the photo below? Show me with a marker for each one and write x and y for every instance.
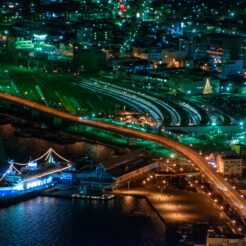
(40, 36)
(32, 164)
(39, 182)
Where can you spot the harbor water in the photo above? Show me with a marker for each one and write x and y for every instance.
(124, 220)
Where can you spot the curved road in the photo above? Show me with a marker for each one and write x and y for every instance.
(176, 119)
(130, 99)
(225, 189)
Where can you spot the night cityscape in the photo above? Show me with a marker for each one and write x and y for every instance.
(122, 123)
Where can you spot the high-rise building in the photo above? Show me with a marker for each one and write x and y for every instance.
(29, 7)
(225, 47)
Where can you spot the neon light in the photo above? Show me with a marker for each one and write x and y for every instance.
(122, 8)
(40, 37)
(46, 153)
(32, 163)
(60, 156)
(11, 167)
(21, 164)
(16, 169)
(18, 187)
(38, 183)
(6, 172)
(49, 152)
(46, 173)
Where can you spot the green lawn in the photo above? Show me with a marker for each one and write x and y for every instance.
(57, 90)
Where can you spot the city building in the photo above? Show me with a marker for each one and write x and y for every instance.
(22, 43)
(89, 60)
(232, 68)
(229, 164)
(152, 54)
(174, 58)
(240, 149)
(223, 48)
(46, 49)
(214, 239)
(94, 34)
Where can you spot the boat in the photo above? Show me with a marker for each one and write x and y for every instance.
(21, 179)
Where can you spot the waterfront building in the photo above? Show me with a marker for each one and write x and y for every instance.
(112, 174)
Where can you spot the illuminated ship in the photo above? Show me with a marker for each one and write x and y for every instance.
(32, 176)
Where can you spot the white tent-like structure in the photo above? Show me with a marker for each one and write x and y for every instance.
(208, 89)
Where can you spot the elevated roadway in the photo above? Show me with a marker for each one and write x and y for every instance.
(149, 100)
(130, 99)
(224, 188)
(175, 174)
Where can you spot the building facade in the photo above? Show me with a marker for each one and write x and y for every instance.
(229, 164)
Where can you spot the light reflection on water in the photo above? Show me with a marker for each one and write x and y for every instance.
(52, 221)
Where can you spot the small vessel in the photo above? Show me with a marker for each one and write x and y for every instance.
(24, 178)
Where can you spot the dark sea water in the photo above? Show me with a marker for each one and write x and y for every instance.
(52, 221)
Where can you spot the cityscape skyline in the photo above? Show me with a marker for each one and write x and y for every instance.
(129, 109)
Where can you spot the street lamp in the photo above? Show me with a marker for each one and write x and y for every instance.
(172, 156)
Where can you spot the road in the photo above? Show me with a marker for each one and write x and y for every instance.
(214, 113)
(193, 115)
(148, 100)
(176, 206)
(131, 99)
(224, 188)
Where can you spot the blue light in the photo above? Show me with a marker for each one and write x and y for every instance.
(32, 164)
(37, 183)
